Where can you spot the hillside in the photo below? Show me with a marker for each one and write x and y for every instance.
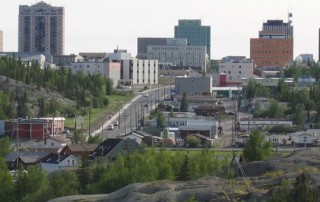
(12, 86)
(265, 176)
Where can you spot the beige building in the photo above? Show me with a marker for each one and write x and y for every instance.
(41, 29)
(1, 41)
(180, 56)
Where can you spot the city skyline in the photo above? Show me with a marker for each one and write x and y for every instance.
(233, 23)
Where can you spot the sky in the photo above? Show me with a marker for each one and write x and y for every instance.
(104, 25)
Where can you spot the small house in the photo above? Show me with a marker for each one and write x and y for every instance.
(111, 148)
(54, 162)
(303, 140)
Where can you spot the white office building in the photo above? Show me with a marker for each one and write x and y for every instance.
(235, 68)
(106, 67)
(180, 56)
(139, 71)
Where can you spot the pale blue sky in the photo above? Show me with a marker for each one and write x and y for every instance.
(101, 25)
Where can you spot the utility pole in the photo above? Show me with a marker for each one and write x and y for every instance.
(130, 119)
(102, 125)
(125, 122)
(89, 122)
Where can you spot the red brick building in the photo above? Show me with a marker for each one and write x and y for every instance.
(28, 129)
(274, 46)
(271, 52)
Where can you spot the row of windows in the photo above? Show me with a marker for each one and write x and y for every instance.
(222, 66)
(230, 72)
(269, 52)
(178, 48)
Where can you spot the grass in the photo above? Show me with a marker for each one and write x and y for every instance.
(101, 115)
(275, 173)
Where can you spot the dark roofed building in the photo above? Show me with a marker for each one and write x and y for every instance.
(79, 150)
(24, 159)
(111, 148)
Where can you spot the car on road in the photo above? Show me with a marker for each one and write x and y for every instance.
(110, 127)
(146, 95)
(116, 123)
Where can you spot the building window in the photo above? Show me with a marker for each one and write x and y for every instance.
(229, 72)
(239, 72)
(239, 66)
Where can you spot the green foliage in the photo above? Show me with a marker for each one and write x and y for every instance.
(96, 139)
(63, 183)
(78, 137)
(5, 146)
(302, 190)
(193, 141)
(257, 148)
(185, 171)
(6, 183)
(184, 103)
(160, 120)
(85, 90)
(31, 186)
(149, 165)
(256, 90)
(283, 129)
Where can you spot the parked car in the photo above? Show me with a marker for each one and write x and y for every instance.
(110, 127)
(116, 123)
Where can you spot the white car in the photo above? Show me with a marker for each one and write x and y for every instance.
(116, 123)
(110, 127)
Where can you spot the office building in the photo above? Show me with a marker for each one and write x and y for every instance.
(108, 68)
(195, 33)
(233, 68)
(41, 29)
(180, 56)
(144, 42)
(66, 60)
(274, 47)
(1, 41)
(200, 86)
(139, 72)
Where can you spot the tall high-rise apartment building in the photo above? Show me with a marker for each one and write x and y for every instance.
(274, 47)
(41, 29)
(1, 41)
(194, 32)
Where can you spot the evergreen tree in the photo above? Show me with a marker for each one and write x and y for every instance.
(184, 103)
(185, 171)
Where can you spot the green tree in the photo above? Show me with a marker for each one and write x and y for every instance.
(193, 141)
(298, 115)
(160, 120)
(31, 185)
(257, 148)
(63, 183)
(5, 147)
(275, 110)
(184, 103)
(94, 139)
(6, 183)
(185, 170)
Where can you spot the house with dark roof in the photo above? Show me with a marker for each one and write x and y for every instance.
(79, 150)
(25, 159)
(54, 162)
(111, 148)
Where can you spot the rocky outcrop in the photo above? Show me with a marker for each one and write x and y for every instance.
(217, 189)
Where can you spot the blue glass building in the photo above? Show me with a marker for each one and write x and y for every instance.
(194, 32)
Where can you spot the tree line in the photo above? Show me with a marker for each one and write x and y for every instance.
(301, 100)
(101, 176)
(85, 90)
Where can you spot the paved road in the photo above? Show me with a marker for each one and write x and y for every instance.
(128, 117)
